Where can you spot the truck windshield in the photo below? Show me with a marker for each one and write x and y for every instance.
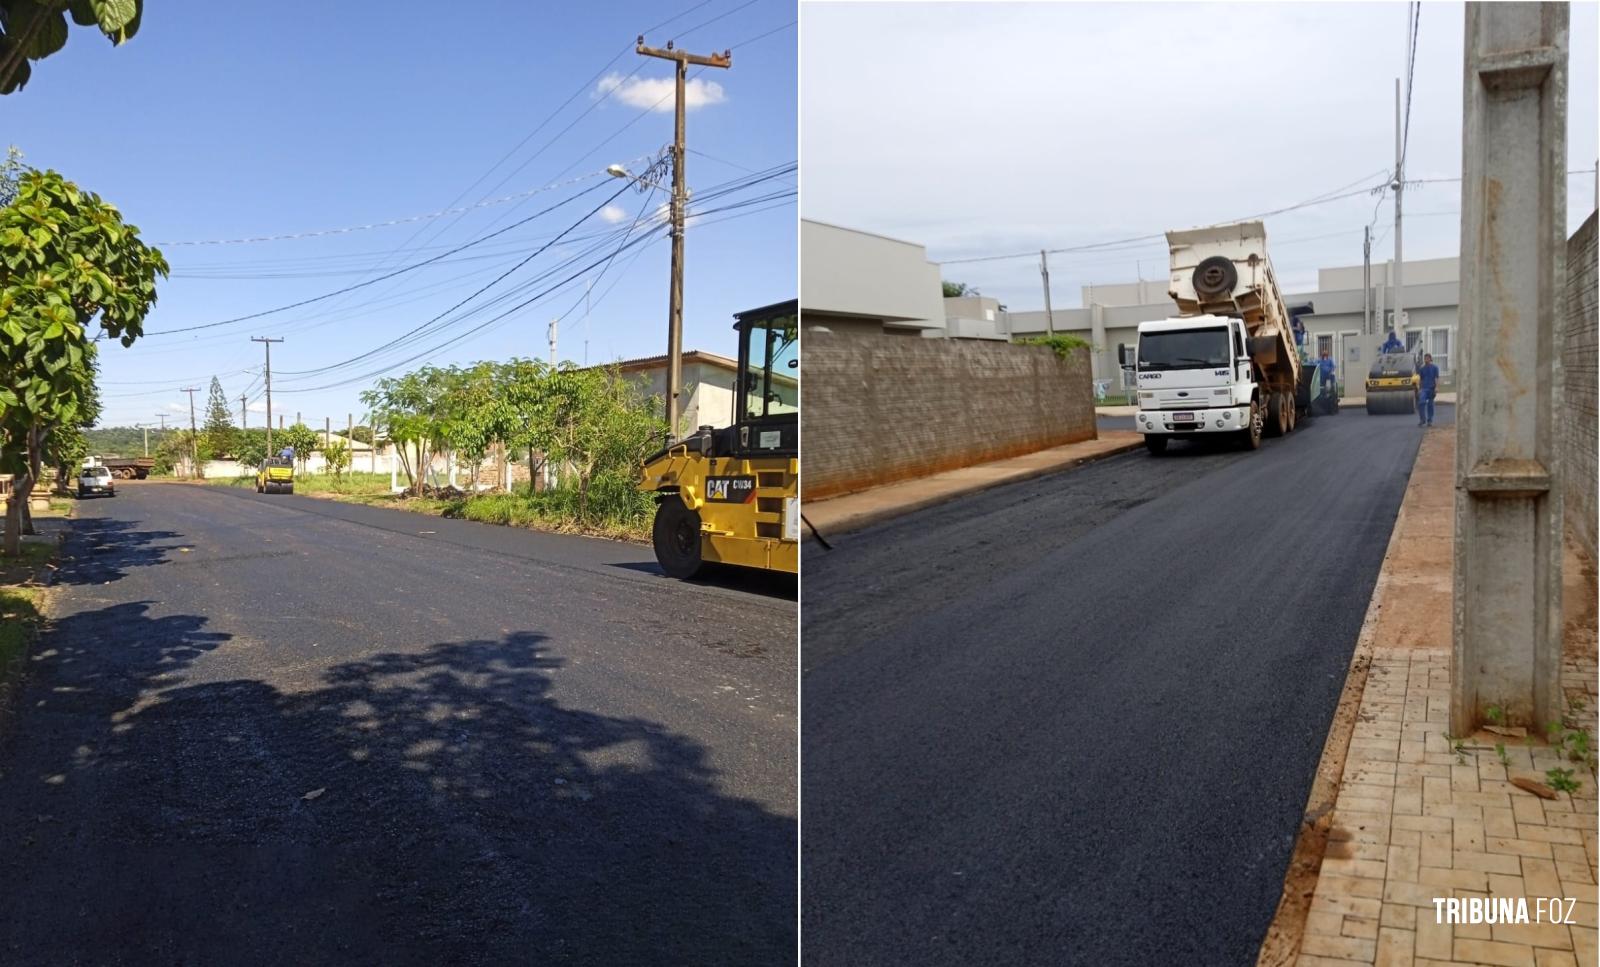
(1184, 349)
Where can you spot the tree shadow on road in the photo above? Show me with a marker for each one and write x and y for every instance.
(437, 805)
(100, 550)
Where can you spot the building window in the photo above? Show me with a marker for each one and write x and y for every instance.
(1439, 346)
(1413, 340)
(1324, 344)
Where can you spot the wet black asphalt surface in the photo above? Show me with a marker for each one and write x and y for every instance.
(270, 730)
(1074, 720)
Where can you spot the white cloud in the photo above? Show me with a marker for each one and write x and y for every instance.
(655, 93)
(258, 407)
(175, 407)
(613, 214)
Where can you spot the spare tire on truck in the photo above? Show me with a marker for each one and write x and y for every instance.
(1215, 276)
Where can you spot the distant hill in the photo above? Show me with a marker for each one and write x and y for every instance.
(121, 441)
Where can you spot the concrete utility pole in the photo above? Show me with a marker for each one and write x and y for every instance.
(146, 428)
(163, 418)
(1508, 514)
(1366, 280)
(551, 332)
(1399, 187)
(244, 412)
(680, 198)
(267, 374)
(1049, 314)
(194, 432)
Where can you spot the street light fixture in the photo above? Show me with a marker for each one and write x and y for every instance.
(618, 171)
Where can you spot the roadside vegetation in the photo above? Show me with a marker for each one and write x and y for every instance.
(577, 436)
(74, 277)
(21, 611)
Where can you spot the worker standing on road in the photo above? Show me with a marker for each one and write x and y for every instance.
(1429, 373)
(1330, 378)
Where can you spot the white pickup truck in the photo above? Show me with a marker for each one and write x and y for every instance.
(96, 480)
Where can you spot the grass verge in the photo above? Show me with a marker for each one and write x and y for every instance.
(616, 511)
(21, 613)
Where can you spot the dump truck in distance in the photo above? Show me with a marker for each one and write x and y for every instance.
(1228, 361)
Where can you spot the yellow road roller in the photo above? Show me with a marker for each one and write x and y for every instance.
(730, 495)
(1393, 384)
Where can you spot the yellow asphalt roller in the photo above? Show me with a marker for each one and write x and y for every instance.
(1392, 385)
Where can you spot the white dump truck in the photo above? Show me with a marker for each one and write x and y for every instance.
(1228, 361)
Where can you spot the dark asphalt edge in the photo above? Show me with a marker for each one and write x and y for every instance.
(910, 507)
(1280, 946)
(640, 578)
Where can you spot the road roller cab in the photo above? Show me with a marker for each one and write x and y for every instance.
(730, 495)
(1393, 384)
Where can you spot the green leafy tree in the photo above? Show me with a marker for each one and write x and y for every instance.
(219, 428)
(67, 261)
(299, 436)
(411, 409)
(953, 290)
(250, 447)
(336, 458)
(34, 29)
(602, 426)
(11, 171)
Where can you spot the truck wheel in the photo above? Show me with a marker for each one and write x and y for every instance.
(676, 536)
(1215, 276)
(1155, 443)
(1274, 421)
(1291, 411)
(1250, 436)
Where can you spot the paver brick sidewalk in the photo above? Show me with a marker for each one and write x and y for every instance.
(1418, 817)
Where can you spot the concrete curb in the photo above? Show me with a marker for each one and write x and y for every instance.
(868, 518)
(1281, 945)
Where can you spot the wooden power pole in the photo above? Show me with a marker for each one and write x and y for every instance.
(267, 375)
(682, 59)
(194, 432)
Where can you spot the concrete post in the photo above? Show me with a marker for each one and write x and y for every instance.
(1097, 336)
(1508, 521)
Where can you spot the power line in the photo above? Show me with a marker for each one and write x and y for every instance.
(348, 229)
(482, 289)
(1411, 67)
(390, 275)
(1092, 246)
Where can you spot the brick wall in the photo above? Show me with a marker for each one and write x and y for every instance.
(881, 407)
(1579, 357)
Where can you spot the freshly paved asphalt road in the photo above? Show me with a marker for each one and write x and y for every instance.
(1075, 720)
(281, 730)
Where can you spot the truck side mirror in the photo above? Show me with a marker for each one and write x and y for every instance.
(1124, 357)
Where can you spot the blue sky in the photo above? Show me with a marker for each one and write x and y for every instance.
(226, 121)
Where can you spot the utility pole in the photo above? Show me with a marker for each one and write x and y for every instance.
(1505, 663)
(680, 197)
(1049, 314)
(163, 418)
(244, 412)
(550, 333)
(194, 432)
(1399, 187)
(267, 373)
(1366, 281)
(588, 286)
(146, 428)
